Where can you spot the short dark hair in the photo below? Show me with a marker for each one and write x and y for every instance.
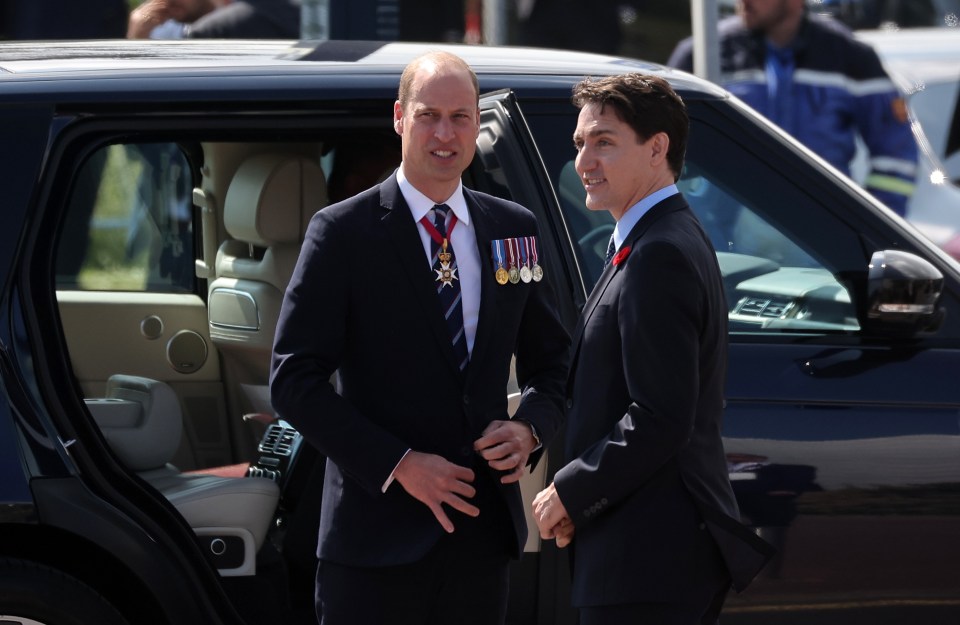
(646, 103)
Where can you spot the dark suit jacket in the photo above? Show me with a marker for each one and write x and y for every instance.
(362, 301)
(249, 19)
(647, 473)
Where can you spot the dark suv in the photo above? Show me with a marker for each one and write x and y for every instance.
(155, 198)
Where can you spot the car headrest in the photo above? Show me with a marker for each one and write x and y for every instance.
(272, 197)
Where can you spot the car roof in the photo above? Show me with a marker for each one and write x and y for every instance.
(85, 60)
(927, 54)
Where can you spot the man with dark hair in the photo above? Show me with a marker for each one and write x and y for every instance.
(807, 74)
(400, 290)
(644, 496)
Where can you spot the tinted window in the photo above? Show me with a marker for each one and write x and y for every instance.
(782, 255)
(130, 225)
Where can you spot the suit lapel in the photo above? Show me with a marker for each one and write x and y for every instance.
(674, 202)
(587, 312)
(487, 320)
(403, 233)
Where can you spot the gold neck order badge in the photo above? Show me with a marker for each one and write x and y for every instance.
(446, 274)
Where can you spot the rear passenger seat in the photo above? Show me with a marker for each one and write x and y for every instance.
(267, 209)
(142, 422)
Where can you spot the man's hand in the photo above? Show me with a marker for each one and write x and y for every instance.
(506, 446)
(146, 17)
(563, 532)
(551, 517)
(435, 481)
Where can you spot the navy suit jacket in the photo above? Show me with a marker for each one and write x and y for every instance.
(362, 302)
(646, 472)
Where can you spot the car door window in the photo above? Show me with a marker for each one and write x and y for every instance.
(783, 272)
(772, 283)
(129, 226)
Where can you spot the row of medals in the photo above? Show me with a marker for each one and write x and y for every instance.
(516, 274)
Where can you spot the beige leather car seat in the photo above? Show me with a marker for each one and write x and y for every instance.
(141, 420)
(267, 208)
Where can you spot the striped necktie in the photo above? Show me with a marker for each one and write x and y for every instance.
(448, 283)
(611, 248)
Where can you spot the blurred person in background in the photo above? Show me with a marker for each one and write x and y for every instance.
(806, 73)
(401, 20)
(249, 19)
(554, 24)
(167, 19)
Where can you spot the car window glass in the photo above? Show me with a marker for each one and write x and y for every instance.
(778, 277)
(129, 224)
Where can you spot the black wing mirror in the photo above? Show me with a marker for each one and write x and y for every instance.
(903, 291)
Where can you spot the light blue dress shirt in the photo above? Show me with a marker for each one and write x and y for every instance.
(630, 218)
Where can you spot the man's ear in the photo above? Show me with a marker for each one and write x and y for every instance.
(659, 146)
(397, 118)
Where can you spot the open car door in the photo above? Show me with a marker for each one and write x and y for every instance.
(509, 165)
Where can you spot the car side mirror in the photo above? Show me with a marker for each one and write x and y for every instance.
(903, 291)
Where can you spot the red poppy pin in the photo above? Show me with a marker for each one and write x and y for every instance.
(621, 256)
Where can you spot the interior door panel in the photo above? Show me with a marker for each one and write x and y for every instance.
(162, 336)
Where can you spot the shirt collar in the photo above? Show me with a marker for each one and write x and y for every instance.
(630, 218)
(420, 204)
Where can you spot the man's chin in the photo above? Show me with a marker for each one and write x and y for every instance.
(451, 164)
(595, 205)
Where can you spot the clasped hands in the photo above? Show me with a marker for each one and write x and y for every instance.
(434, 481)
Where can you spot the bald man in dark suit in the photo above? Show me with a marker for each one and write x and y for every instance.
(401, 291)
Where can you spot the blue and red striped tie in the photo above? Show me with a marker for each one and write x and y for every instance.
(449, 292)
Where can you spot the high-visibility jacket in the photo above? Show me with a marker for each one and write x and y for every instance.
(832, 89)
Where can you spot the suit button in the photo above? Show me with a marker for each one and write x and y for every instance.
(466, 400)
(604, 501)
(569, 404)
(466, 451)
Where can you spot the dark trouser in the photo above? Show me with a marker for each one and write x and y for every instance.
(452, 584)
(703, 598)
(702, 609)
(463, 580)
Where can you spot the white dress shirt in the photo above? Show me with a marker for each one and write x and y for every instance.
(463, 239)
(464, 243)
